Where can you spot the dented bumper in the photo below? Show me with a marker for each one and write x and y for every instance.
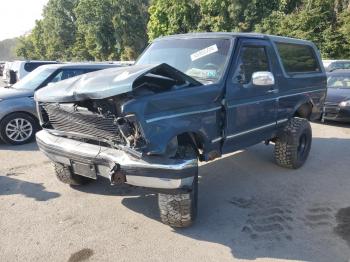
(150, 171)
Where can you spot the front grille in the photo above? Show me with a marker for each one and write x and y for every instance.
(330, 104)
(68, 118)
(331, 109)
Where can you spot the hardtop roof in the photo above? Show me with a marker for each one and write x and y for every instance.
(237, 34)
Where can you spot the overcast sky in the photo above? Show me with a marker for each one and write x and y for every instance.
(18, 16)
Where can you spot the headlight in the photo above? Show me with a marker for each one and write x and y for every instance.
(345, 103)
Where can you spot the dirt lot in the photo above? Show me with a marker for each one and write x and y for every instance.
(249, 209)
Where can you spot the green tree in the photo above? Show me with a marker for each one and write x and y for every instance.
(315, 20)
(130, 25)
(94, 22)
(59, 28)
(172, 17)
(32, 46)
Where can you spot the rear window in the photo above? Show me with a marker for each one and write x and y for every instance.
(30, 66)
(298, 58)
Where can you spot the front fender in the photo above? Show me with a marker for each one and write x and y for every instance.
(22, 104)
(160, 131)
(166, 115)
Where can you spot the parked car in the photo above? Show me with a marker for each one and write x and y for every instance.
(188, 97)
(331, 65)
(18, 118)
(337, 105)
(22, 68)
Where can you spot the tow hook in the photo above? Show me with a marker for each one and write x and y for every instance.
(116, 176)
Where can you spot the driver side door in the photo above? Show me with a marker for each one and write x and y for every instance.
(250, 108)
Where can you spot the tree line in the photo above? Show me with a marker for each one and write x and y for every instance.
(7, 47)
(120, 29)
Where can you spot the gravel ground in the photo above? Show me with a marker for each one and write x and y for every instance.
(249, 209)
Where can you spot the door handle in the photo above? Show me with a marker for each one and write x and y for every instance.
(272, 91)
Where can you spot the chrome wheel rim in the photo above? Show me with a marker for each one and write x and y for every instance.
(19, 129)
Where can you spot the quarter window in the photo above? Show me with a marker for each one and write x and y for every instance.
(298, 58)
(252, 59)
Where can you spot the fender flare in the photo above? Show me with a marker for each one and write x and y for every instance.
(305, 104)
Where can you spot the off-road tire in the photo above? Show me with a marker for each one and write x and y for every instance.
(65, 175)
(18, 115)
(180, 210)
(293, 144)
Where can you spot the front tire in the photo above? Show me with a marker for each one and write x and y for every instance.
(292, 146)
(18, 128)
(66, 176)
(180, 210)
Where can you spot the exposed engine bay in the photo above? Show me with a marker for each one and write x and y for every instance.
(95, 121)
(88, 107)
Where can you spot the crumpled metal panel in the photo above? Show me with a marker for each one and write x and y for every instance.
(105, 83)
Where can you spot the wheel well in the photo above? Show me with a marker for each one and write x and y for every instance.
(21, 112)
(304, 111)
(192, 138)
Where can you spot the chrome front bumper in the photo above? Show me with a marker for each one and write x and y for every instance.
(150, 171)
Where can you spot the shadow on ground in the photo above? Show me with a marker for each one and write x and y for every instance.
(336, 124)
(11, 186)
(26, 147)
(260, 210)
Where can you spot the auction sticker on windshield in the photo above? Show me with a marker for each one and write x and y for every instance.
(204, 52)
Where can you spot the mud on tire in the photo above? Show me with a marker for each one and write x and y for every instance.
(65, 175)
(180, 210)
(293, 144)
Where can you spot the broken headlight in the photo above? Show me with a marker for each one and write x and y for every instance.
(131, 131)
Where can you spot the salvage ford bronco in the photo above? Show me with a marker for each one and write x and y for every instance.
(188, 98)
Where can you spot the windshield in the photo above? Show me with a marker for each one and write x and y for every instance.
(338, 65)
(338, 81)
(34, 79)
(203, 59)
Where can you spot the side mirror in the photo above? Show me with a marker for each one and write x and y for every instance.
(263, 79)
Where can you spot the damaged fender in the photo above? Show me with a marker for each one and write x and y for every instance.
(164, 101)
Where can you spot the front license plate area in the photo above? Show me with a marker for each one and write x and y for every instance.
(83, 169)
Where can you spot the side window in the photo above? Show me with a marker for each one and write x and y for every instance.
(57, 78)
(29, 67)
(67, 73)
(251, 59)
(297, 58)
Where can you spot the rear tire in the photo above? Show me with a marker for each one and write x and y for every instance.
(65, 175)
(292, 146)
(180, 210)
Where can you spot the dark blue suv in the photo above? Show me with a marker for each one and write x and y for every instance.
(188, 98)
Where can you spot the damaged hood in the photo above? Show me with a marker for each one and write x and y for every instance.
(106, 83)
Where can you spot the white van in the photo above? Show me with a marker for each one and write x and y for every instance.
(22, 68)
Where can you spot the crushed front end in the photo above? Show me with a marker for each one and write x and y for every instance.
(93, 136)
